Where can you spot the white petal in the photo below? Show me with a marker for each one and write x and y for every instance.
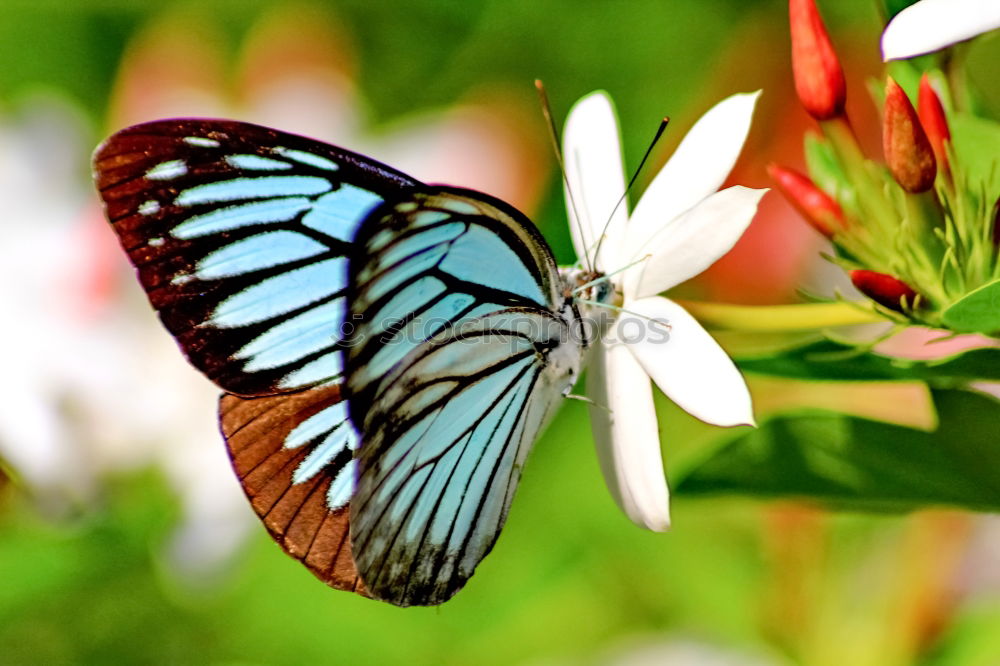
(626, 436)
(930, 25)
(693, 242)
(685, 362)
(696, 169)
(593, 156)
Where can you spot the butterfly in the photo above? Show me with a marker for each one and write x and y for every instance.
(388, 350)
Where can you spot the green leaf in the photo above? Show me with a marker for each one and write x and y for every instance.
(976, 312)
(859, 464)
(829, 360)
(893, 7)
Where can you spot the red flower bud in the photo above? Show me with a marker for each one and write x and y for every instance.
(819, 79)
(822, 212)
(907, 149)
(933, 120)
(887, 291)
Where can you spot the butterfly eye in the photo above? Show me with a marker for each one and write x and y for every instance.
(602, 291)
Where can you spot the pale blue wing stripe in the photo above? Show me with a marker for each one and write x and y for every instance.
(234, 217)
(342, 486)
(419, 242)
(417, 331)
(402, 447)
(339, 213)
(250, 254)
(316, 425)
(403, 501)
(316, 328)
(425, 218)
(482, 257)
(411, 298)
(482, 310)
(393, 279)
(257, 163)
(380, 239)
(323, 454)
(326, 367)
(282, 293)
(451, 358)
(262, 187)
(309, 159)
(441, 478)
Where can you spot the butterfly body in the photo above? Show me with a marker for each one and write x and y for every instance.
(390, 350)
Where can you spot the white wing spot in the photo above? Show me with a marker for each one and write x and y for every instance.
(257, 163)
(155, 242)
(302, 157)
(181, 278)
(151, 207)
(167, 170)
(201, 141)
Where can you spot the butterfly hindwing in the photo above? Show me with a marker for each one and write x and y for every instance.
(451, 376)
(292, 455)
(240, 234)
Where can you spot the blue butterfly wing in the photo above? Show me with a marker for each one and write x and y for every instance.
(451, 375)
(240, 236)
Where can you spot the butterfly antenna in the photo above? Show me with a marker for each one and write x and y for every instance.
(635, 176)
(616, 308)
(554, 138)
(607, 276)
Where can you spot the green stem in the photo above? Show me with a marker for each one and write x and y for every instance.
(760, 318)
(873, 207)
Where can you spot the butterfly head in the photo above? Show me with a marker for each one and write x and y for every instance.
(595, 298)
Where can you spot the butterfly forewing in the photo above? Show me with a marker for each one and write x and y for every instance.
(240, 234)
(452, 374)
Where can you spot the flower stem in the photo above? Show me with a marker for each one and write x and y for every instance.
(798, 317)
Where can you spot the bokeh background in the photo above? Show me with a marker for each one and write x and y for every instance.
(124, 537)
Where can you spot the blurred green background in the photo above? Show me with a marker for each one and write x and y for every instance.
(95, 565)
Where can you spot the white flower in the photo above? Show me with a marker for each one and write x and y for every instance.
(682, 225)
(930, 25)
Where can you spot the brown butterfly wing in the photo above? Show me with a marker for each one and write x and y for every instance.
(297, 515)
